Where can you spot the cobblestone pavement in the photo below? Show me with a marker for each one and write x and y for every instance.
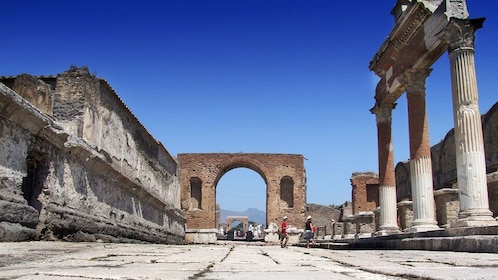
(244, 260)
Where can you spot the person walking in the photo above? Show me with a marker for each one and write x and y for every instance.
(284, 237)
(308, 231)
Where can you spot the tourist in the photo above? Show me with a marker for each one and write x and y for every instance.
(308, 233)
(283, 235)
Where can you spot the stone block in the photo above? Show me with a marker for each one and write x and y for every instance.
(201, 236)
(18, 213)
(14, 232)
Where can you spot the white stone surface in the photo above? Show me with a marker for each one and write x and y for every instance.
(233, 260)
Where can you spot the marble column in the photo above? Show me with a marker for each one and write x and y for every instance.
(387, 183)
(424, 214)
(471, 165)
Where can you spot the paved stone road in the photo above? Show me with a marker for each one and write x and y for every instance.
(72, 261)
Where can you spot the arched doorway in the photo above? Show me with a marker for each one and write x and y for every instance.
(241, 191)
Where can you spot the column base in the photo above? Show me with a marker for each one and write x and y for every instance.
(348, 236)
(421, 226)
(363, 235)
(475, 218)
(387, 231)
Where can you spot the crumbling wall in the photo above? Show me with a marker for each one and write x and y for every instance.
(444, 170)
(365, 191)
(490, 135)
(88, 166)
(403, 181)
(324, 217)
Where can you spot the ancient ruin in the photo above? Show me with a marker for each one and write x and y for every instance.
(285, 179)
(75, 164)
(243, 219)
(423, 31)
(434, 190)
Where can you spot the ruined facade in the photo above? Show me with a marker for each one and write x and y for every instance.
(285, 179)
(454, 183)
(365, 194)
(444, 175)
(423, 31)
(445, 187)
(361, 221)
(75, 162)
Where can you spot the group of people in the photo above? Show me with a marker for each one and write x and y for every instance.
(309, 233)
(254, 230)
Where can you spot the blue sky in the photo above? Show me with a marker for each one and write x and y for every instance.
(210, 76)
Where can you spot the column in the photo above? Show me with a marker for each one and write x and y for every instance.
(424, 214)
(469, 144)
(387, 183)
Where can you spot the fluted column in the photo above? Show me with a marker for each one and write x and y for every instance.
(387, 183)
(424, 215)
(469, 144)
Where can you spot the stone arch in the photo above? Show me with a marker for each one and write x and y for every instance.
(273, 168)
(243, 219)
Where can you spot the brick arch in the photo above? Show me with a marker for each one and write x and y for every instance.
(244, 161)
(243, 219)
(209, 168)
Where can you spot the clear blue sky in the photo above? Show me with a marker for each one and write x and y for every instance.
(210, 76)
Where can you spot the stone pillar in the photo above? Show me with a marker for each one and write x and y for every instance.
(424, 217)
(365, 224)
(387, 183)
(349, 227)
(405, 212)
(447, 205)
(337, 230)
(471, 165)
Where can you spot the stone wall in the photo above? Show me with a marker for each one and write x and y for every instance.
(365, 191)
(403, 181)
(74, 161)
(324, 218)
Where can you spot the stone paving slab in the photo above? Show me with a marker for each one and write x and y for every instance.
(237, 260)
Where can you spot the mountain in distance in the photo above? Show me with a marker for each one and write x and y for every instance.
(254, 215)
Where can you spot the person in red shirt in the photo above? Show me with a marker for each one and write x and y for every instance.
(284, 237)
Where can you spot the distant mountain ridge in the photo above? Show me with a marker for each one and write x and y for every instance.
(254, 215)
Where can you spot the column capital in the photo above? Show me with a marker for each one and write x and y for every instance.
(414, 79)
(383, 113)
(460, 33)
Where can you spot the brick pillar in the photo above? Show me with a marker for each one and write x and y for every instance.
(387, 182)
(424, 217)
(471, 165)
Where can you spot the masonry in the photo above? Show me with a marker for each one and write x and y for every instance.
(423, 32)
(284, 175)
(76, 164)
